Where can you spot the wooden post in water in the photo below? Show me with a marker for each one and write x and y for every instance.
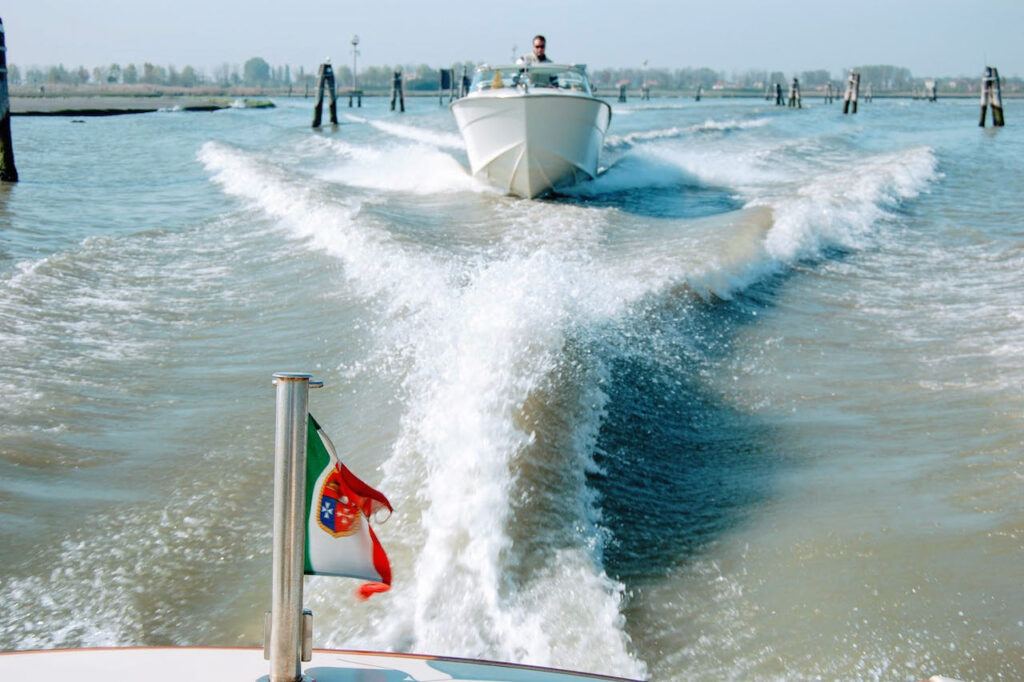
(828, 93)
(869, 95)
(445, 83)
(767, 92)
(700, 91)
(8, 172)
(780, 101)
(991, 95)
(645, 92)
(997, 101)
(464, 83)
(794, 94)
(325, 76)
(852, 92)
(397, 91)
(622, 93)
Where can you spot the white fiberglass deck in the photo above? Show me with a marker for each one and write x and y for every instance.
(199, 664)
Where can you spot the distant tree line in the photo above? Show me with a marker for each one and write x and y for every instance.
(881, 77)
(257, 72)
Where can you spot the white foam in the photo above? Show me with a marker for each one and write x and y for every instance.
(480, 341)
(490, 345)
(416, 168)
(435, 138)
(710, 125)
(377, 266)
(842, 207)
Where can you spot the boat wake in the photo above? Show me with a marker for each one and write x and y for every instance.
(618, 142)
(498, 544)
(412, 168)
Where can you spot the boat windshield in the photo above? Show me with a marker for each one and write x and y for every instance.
(555, 77)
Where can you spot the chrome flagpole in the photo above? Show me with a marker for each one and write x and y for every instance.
(286, 642)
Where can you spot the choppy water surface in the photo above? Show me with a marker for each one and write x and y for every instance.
(747, 406)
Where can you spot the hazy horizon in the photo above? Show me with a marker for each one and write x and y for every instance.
(944, 38)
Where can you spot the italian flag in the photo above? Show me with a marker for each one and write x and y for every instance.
(339, 539)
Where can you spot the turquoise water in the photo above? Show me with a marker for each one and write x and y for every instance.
(747, 406)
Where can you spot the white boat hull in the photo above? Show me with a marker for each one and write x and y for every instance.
(528, 144)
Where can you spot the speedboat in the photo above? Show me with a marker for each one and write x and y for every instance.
(532, 128)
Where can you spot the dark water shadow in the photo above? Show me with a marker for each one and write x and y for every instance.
(681, 466)
(676, 201)
(649, 187)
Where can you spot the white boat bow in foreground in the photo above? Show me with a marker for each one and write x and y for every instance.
(532, 128)
(197, 664)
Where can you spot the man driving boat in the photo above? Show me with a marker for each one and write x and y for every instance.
(538, 56)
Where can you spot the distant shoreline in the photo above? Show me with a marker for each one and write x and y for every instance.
(117, 105)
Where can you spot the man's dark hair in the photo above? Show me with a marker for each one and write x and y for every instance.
(539, 36)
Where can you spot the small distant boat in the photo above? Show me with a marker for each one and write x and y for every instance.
(532, 128)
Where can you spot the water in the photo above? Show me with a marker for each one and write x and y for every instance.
(748, 406)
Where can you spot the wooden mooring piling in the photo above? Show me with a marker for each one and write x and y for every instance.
(700, 91)
(8, 172)
(794, 95)
(325, 77)
(447, 82)
(992, 96)
(829, 94)
(852, 93)
(622, 92)
(780, 101)
(397, 91)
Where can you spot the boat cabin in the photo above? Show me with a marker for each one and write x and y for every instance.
(561, 77)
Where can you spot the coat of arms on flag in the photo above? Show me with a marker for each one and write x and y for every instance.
(339, 513)
(339, 539)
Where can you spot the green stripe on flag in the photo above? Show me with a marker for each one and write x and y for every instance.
(317, 459)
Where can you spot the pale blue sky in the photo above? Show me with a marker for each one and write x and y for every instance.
(940, 37)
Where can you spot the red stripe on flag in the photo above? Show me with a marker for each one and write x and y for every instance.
(372, 500)
(381, 565)
(369, 589)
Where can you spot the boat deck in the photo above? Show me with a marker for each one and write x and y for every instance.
(202, 664)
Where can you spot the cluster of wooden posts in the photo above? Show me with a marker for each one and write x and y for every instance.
(325, 78)
(992, 96)
(930, 92)
(852, 93)
(455, 86)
